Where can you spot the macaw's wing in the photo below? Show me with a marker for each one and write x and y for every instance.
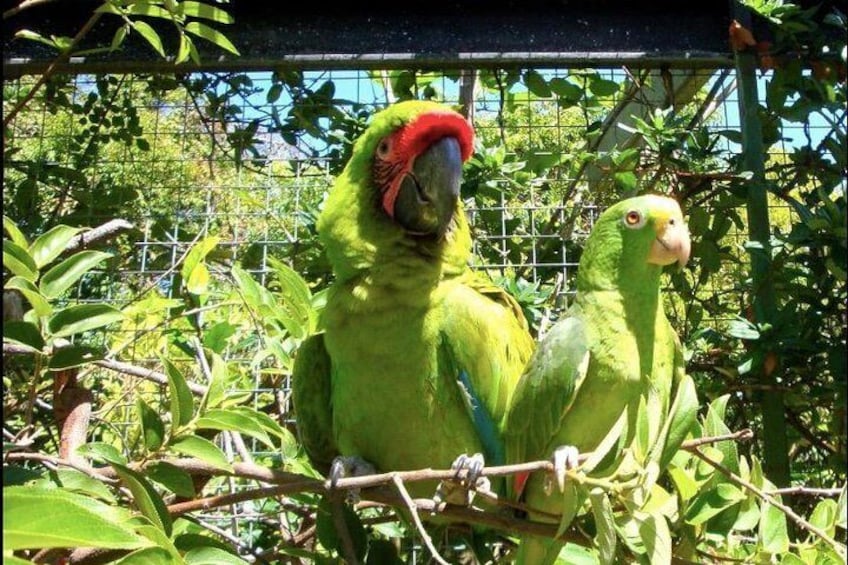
(311, 399)
(485, 345)
(548, 387)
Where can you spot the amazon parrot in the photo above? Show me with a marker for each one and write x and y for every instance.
(612, 346)
(419, 355)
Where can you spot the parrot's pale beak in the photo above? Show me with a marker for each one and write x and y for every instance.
(428, 194)
(672, 243)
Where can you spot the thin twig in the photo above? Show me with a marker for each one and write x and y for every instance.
(739, 481)
(104, 231)
(142, 373)
(26, 4)
(52, 461)
(807, 491)
(410, 504)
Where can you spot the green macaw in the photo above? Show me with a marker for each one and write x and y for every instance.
(613, 345)
(419, 355)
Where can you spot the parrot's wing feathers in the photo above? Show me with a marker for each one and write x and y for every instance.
(484, 346)
(497, 294)
(311, 397)
(550, 384)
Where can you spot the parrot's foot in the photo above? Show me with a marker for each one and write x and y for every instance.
(461, 491)
(352, 466)
(565, 458)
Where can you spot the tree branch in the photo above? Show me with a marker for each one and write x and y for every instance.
(410, 504)
(765, 497)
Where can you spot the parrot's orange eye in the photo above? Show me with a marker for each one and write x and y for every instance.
(634, 219)
(384, 148)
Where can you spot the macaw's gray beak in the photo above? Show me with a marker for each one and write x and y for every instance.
(428, 194)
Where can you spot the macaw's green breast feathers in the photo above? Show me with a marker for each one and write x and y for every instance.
(398, 195)
(631, 242)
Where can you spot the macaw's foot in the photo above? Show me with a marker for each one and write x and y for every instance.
(352, 466)
(565, 458)
(461, 489)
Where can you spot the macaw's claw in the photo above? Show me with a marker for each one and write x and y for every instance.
(565, 458)
(460, 490)
(352, 466)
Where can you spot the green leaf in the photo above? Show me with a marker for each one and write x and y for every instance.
(626, 180)
(710, 503)
(196, 446)
(145, 497)
(604, 525)
(161, 540)
(79, 482)
(264, 420)
(684, 414)
(24, 333)
(198, 282)
(743, 329)
(182, 401)
(213, 35)
(51, 244)
(59, 278)
(566, 90)
(216, 392)
(149, 10)
(184, 51)
(824, 516)
(684, 483)
(73, 356)
(171, 477)
(212, 556)
(841, 513)
(296, 297)
(15, 234)
(205, 11)
(150, 35)
(773, 531)
(39, 518)
(118, 38)
(215, 338)
(33, 36)
(274, 93)
(18, 261)
(194, 272)
(82, 317)
(100, 451)
(37, 301)
(574, 554)
(602, 87)
(656, 536)
(536, 84)
(152, 428)
(234, 421)
(147, 556)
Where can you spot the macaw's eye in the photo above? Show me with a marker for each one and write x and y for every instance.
(384, 148)
(634, 219)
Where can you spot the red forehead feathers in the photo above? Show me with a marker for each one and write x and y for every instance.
(430, 127)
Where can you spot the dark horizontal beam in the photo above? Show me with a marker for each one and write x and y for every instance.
(455, 34)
